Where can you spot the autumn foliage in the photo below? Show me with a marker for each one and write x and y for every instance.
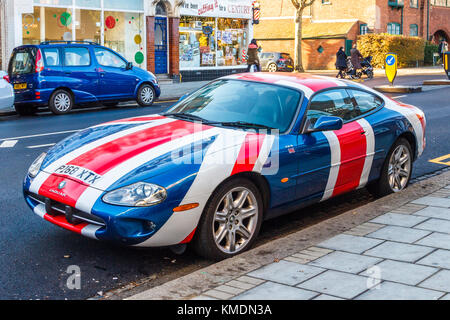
(410, 50)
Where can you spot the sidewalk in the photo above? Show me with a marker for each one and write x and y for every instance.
(397, 247)
(400, 72)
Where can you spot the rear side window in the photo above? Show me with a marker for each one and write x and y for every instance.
(52, 58)
(77, 57)
(366, 102)
(336, 103)
(22, 62)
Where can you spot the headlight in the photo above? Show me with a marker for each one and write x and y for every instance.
(137, 195)
(36, 166)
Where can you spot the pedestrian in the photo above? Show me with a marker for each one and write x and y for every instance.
(442, 48)
(253, 57)
(355, 58)
(341, 62)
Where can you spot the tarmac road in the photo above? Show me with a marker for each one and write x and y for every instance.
(35, 255)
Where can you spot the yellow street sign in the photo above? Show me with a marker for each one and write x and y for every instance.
(390, 67)
(447, 63)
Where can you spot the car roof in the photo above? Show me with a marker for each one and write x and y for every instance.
(46, 44)
(307, 83)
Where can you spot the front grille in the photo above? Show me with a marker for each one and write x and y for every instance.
(73, 215)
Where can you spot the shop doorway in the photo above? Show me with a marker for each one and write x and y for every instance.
(161, 43)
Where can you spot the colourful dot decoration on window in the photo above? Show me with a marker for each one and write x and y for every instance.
(138, 39)
(65, 19)
(110, 22)
(139, 57)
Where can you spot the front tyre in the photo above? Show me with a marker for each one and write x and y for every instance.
(146, 95)
(396, 171)
(61, 102)
(231, 220)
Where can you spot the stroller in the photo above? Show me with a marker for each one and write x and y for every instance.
(367, 68)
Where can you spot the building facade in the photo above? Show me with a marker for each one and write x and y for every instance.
(330, 24)
(188, 39)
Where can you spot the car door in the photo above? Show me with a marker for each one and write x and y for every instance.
(332, 162)
(80, 74)
(116, 81)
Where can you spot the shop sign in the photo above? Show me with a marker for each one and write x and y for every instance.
(218, 8)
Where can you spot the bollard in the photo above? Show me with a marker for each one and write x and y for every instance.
(447, 63)
(390, 66)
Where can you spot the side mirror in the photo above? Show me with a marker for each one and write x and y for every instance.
(129, 66)
(327, 123)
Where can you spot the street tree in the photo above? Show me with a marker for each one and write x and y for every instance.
(300, 6)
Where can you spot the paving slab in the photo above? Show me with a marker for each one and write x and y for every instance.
(339, 284)
(440, 281)
(434, 212)
(434, 224)
(397, 291)
(433, 201)
(276, 291)
(286, 272)
(399, 234)
(350, 243)
(398, 219)
(436, 240)
(403, 272)
(439, 258)
(326, 297)
(399, 251)
(346, 262)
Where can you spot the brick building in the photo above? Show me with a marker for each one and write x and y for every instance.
(194, 39)
(330, 24)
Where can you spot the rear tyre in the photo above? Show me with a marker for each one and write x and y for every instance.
(396, 171)
(146, 95)
(25, 110)
(231, 220)
(61, 102)
(370, 74)
(272, 67)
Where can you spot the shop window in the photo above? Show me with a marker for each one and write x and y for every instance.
(197, 42)
(124, 34)
(414, 30)
(47, 24)
(88, 25)
(137, 5)
(88, 3)
(231, 41)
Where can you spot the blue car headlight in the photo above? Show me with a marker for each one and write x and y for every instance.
(36, 166)
(140, 194)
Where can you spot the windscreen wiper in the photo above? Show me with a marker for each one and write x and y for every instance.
(186, 116)
(243, 124)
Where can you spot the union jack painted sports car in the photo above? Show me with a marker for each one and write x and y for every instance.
(243, 149)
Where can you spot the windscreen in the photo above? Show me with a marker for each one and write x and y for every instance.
(234, 100)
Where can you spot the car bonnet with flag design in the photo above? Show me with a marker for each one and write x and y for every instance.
(190, 160)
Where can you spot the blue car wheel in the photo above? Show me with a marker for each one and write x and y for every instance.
(146, 95)
(61, 102)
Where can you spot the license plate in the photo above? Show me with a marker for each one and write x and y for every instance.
(20, 86)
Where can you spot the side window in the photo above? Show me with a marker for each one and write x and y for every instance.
(366, 102)
(77, 57)
(52, 58)
(109, 59)
(335, 103)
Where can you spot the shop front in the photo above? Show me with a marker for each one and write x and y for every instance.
(213, 38)
(117, 24)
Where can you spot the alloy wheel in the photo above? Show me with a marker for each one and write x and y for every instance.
(399, 169)
(235, 220)
(272, 67)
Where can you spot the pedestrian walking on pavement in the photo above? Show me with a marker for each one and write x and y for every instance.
(341, 62)
(442, 48)
(356, 57)
(253, 58)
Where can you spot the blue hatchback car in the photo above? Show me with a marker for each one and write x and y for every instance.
(63, 74)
